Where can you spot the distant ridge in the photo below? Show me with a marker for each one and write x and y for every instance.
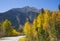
(18, 15)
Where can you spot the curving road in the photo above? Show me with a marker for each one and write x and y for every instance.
(11, 38)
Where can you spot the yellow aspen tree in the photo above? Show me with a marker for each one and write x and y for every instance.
(52, 31)
(27, 28)
(46, 24)
(46, 19)
(6, 27)
(58, 23)
(35, 27)
(15, 33)
(28, 31)
(37, 23)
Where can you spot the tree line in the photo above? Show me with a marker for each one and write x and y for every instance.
(45, 27)
(6, 29)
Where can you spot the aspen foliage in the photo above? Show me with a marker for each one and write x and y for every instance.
(46, 19)
(28, 31)
(7, 29)
(45, 27)
(58, 23)
(27, 28)
(35, 28)
(53, 31)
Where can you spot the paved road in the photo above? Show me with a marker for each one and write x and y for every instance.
(11, 38)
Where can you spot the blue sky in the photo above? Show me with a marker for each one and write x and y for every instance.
(9, 4)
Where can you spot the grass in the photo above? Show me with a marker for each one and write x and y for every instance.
(22, 39)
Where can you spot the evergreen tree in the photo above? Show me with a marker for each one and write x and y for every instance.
(59, 6)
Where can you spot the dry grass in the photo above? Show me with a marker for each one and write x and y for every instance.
(22, 39)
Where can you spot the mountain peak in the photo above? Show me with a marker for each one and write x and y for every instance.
(24, 9)
(28, 8)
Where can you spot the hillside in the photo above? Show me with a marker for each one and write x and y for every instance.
(18, 16)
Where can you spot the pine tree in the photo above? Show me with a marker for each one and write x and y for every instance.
(59, 6)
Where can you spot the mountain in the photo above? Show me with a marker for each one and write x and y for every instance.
(18, 16)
